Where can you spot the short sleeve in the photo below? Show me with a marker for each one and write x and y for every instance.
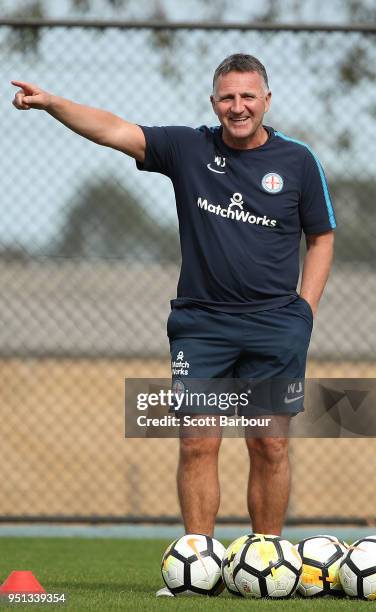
(315, 207)
(164, 148)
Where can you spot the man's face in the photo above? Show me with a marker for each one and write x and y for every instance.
(240, 100)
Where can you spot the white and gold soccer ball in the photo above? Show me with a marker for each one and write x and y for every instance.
(267, 566)
(321, 556)
(357, 569)
(191, 565)
(228, 563)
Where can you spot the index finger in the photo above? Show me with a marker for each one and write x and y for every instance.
(27, 87)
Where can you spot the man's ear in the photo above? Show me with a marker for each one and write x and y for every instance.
(268, 101)
(213, 103)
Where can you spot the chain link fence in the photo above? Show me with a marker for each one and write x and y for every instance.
(89, 259)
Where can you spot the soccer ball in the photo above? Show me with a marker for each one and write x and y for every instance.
(321, 557)
(227, 563)
(267, 566)
(357, 570)
(191, 565)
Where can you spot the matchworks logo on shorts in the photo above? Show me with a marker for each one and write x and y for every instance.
(180, 366)
(235, 211)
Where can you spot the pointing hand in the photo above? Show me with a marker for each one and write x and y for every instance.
(30, 96)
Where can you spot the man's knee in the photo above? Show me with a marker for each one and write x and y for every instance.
(271, 450)
(196, 448)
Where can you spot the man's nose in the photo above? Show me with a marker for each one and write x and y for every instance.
(237, 105)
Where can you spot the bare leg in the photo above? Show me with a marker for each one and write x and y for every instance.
(198, 484)
(269, 483)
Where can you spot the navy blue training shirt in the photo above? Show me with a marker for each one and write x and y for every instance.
(241, 213)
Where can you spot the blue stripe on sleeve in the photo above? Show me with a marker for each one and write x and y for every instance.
(322, 176)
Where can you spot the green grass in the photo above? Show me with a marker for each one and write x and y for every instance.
(106, 575)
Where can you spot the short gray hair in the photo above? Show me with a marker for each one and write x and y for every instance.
(240, 62)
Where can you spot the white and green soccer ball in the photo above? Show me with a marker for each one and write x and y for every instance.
(357, 570)
(321, 556)
(267, 566)
(228, 563)
(191, 565)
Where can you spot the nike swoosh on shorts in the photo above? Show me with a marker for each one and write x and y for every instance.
(289, 400)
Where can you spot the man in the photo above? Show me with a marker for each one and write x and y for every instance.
(244, 192)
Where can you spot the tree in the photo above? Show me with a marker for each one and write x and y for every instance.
(108, 222)
(354, 202)
(355, 65)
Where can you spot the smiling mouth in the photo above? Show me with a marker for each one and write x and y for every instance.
(239, 120)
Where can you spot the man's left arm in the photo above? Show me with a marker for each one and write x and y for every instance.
(316, 267)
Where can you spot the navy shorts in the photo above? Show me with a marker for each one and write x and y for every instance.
(260, 355)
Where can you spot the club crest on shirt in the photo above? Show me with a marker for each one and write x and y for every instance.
(272, 182)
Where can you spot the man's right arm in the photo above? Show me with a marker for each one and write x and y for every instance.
(97, 125)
